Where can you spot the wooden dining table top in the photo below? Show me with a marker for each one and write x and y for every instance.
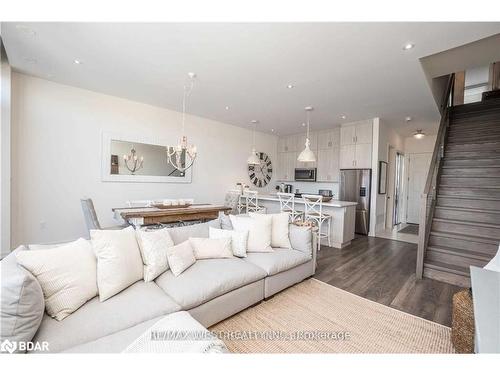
(131, 212)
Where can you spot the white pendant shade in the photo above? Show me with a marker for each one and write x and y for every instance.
(307, 156)
(253, 159)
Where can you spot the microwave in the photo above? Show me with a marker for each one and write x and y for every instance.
(305, 174)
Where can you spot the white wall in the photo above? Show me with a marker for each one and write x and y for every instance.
(414, 146)
(5, 150)
(57, 157)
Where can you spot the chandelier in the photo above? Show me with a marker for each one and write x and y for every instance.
(182, 156)
(135, 162)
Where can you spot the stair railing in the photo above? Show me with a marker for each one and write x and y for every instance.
(429, 196)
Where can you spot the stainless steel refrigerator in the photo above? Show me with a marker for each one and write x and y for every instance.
(355, 187)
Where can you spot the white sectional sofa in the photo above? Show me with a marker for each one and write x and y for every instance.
(210, 290)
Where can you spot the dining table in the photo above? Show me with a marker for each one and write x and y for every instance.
(142, 216)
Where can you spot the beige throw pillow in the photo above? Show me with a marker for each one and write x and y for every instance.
(211, 248)
(180, 257)
(239, 240)
(67, 275)
(119, 262)
(259, 231)
(279, 230)
(153, 245)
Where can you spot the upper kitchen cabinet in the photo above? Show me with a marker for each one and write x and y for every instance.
(328, 165)
(328, 139)
(356, 145)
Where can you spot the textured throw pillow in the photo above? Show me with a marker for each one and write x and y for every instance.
(225, 221)
(67, 275)
(153, 245)
(180, 257)
(210, 248)
(259, 231)
(279, 229)
(239, 240)
(119, 262)
(22, 303)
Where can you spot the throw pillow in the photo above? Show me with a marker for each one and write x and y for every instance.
(180, 257)
(239, 240)
(210, 248)
(119, 262)
(279, 230)
(22, 303)
(259, 231)
(153, 246)
(225, 221)
(67, 275)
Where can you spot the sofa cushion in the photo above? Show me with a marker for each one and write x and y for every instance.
(278, 261)
(181, 234)
(301, 238)
(136, 304)
(22, 303)
(208, 279)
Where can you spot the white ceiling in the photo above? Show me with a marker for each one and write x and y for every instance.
(356, 69)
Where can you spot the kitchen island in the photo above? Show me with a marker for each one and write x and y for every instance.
(343, 217)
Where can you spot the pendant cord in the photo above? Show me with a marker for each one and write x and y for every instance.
(307, 136)
(187, 92)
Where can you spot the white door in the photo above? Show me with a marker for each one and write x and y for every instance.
(418, 167)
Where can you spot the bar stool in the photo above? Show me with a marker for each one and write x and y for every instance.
(314, 212)
(251, 202)
(287, 204)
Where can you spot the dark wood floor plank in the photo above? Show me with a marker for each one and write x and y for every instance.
(383, 271)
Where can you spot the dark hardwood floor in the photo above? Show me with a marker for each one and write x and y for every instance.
(383, 271)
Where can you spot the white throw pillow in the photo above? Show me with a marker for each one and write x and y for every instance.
(119, 262)
(239, 240)
(180, 257)
(153, 245)
(279, 230)
(210, 248)
(259, 231)
(67, 275)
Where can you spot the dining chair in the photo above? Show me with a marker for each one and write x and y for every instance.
(90, 216)
(232, 199)
(287, 204)
(314, 212)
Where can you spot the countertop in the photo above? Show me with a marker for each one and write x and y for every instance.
(332, 203)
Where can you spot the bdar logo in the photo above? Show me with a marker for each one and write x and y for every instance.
(8, 346)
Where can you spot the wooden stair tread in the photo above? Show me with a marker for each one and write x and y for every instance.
(457, 270)
(467, 197)
(466, 222)
(465, 237)
(460, 252)
(465, 209)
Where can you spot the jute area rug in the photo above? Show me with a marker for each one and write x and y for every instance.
(314, 317)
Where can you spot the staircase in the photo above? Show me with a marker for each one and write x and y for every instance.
(464, 227)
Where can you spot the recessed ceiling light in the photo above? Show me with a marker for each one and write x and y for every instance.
(303, 124)
(254, 121)
(343, 117)
(77, 62)
(419, 134)
(408, 46)
(227, 108)
(290, 86)
(272, 130)
(408, 118)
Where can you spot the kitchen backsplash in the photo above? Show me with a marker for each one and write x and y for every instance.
(313, 187)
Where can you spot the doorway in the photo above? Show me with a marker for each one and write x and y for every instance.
(394, 206)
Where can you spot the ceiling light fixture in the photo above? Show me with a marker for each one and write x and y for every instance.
(419, 134)
(307, 156)
(290, 86)
(253, 159)
(408, 118)
(182, 151)
(227, 108)
(272, 130)
(343, 117)
(408, 46)
(77, 62)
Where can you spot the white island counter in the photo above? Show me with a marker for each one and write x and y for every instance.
(343, 217)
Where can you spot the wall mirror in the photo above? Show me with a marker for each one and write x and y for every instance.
(137, 159)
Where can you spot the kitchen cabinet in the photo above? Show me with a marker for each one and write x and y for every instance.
(328, 165)
(288, 144)
(328, 139)
(356, 145)
(286, 166)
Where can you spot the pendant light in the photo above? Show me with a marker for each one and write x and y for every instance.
(175, 153)
(419, 134)
(253, 159)
(307, 156)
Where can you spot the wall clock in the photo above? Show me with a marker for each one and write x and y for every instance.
(261, 174)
